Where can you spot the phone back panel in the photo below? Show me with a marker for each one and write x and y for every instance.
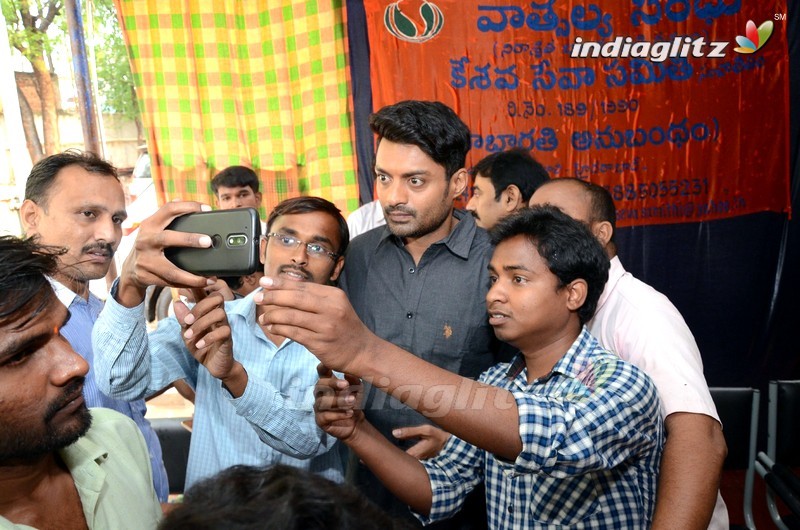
(235, 239)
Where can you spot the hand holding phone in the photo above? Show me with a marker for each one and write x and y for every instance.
(146, 264)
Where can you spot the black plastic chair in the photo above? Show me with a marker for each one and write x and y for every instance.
(175, 439)
(740, 430)
(783, 446)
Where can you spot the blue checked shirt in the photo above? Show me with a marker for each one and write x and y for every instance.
(591, 446)
(78, 332)
(271, 423)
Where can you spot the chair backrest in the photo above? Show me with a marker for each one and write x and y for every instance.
(783, 422)
(741, 431)
(175, 440)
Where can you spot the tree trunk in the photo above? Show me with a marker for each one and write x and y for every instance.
(44, 86)
(29, 127)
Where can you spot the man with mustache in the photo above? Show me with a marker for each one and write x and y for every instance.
(254, 390)
(420, 281)
(502, 183)
(75, 200)
(61, 465)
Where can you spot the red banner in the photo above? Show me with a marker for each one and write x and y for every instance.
(678, 107)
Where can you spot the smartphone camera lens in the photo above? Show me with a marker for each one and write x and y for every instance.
(238, 240)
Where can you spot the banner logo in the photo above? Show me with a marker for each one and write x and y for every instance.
(756, 38)
(402, 27)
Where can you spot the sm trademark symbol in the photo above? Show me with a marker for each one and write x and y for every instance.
(780, 16)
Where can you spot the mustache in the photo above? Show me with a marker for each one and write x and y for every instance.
(400, 208)
(299, 270)
(104, 248)
(73, 389)
(475, 214)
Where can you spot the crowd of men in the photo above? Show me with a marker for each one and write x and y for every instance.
(495, 367)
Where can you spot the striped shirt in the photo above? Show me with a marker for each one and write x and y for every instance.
(591, 438)
(272, 422)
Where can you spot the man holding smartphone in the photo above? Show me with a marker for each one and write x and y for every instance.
(254, 402)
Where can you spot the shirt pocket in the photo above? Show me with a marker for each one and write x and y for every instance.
(564, 500)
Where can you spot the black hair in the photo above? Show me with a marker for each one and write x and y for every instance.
(235, 177)
(276, 498)
(430, 125)
(298, 205)
(515, 167)
(567, 246)
(44, 172)
(25, 289)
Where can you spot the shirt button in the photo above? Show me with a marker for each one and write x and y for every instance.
(409, 315)
(412, 270)
(510, 509)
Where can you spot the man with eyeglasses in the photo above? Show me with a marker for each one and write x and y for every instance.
(254, 390)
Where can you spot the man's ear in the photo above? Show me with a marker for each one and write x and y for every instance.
(603, 231)
(30, 214)
(258, 197)
(576, 293)
(511, 199)
(458, 183)
(262, 249)
(337, 269)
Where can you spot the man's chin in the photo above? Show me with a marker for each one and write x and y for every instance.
(79, 424)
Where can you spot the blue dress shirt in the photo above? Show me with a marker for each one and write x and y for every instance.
(271, 422)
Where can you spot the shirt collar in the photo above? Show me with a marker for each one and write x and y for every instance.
(458, 241)
(571, 364)
(615, 272)
(64, 294)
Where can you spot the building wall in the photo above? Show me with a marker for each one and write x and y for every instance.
(121, 149)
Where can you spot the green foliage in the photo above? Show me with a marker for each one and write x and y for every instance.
(26, 20)
(114, 76)
(34, 28)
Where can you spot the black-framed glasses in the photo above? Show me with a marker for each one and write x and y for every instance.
(315, 250)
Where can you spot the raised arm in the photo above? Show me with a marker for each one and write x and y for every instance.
(321, 318)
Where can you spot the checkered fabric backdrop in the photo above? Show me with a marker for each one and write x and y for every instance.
(262, 84)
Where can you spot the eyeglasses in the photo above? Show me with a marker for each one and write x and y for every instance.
(314, 250)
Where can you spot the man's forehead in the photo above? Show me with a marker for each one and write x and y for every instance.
(64, 181)
(232, 189)
(44, 314)
(316, 221)
(482, 182)
(567, 195)
(405, 159)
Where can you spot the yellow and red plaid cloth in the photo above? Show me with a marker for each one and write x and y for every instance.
(262, 84)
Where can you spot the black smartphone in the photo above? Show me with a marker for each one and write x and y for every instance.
(234, 237)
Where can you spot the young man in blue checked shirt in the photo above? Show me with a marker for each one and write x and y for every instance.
(565, 434)
(254, 396)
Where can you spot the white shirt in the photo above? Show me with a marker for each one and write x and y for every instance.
(643, 327)
(365, 218)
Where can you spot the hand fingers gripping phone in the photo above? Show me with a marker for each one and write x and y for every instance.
(234, 237)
